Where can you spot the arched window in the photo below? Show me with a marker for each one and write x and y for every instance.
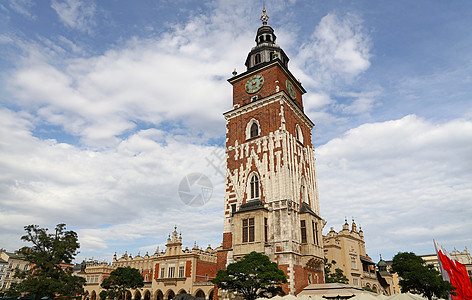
(253, 129)
(298, 133)
(257, 58)
(254, 186)
(303, 195)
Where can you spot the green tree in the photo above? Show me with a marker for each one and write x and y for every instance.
(120, 281)
(337, 276)
(418, 278)
(252, 277)
(46, 277)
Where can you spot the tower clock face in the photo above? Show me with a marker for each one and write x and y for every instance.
(290, 89)
(254, 84)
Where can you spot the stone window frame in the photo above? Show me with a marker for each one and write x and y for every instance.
(248, 230)
(303, 191)
(303, 232)
(254, 186)
(249, 135)
(298, 133)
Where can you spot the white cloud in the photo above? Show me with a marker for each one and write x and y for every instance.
(339, 49)
(134, 185)
(23, 7)
(405, 181)
(77, 14)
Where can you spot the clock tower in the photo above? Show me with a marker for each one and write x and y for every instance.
(271, 198)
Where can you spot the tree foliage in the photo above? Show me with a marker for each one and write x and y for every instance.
(120, 281)
(46, 277)
(252, 277)
(337, 276)
(418, 278)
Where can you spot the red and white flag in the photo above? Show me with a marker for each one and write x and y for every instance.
(454, 272)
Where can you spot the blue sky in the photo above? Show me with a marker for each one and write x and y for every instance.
(107, 105)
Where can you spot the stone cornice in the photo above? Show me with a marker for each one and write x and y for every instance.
(280, 96)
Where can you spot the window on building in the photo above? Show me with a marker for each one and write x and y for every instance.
(254, 186)
(303, 191)
(354, 262)
(146, 277)
(315, 232)
(298, 133)
(233, 208)
(355, 282)
(171, 273)
(254, 130)
(181, 271)
(257, 58)
(26, 268)
(248, 230)
(163, 272)
(266, 230)
(10, 266)
(303, 230)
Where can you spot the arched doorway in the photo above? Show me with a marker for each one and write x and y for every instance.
(200, 294)
(137, 295)
(93, 296)
(170, 295)
(210, 296)
(128, 296)
(182, 291)
(147, 295)
(159, 295)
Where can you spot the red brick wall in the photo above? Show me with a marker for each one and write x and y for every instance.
(188, 269)
(301, 278)
(227, 240)
(149, 274)
(205, 271)
(221, 260)
(156, 271)
(285, 285)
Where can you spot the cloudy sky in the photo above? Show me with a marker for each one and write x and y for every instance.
(106, 106)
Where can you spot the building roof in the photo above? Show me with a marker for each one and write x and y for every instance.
(251, 205)
(332, 290)
(367, 260)
(306, 209)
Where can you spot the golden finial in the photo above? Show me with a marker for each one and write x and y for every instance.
(264, 17)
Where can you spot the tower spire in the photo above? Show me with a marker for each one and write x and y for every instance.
(264, 17)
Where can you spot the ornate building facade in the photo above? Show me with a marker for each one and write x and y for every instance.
(347, 249)
(271, 201)
(166, 274)
(9, 263)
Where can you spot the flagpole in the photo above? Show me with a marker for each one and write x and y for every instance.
(444, 274)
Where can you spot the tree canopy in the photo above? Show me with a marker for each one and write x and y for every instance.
(418, 278)
(252, 277)
(47, 275)
(337, 276)
(120, 281)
